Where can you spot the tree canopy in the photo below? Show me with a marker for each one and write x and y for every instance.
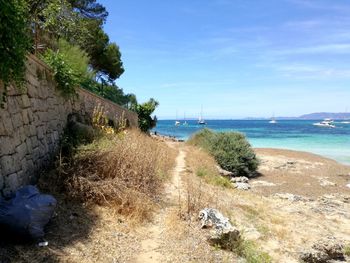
(69, 36)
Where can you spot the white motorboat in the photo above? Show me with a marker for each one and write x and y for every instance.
(328, 123)
(177, 123)
(273, 120)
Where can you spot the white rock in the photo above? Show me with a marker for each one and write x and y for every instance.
(211, 217)
(325, 182)
(242, 186)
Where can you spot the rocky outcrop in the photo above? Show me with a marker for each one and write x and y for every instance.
(323, 251)
(223, 234)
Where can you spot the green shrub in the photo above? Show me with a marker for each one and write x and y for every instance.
(63, 72)
(347, 250)
(14, 40)
(14, 43)
(230, 149)
(249, 250)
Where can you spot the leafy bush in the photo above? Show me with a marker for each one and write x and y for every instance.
(77, 58)
(230, 149)
(63, 72)
(144, 111)
(14, 40)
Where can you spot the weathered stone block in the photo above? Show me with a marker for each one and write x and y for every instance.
(30, 115)
(40, 132)
(34, 141)
(25, 101)
(36, 153)
(7, 122)
(29, 145)
(34, 104)
(6, 146)
(21, 150)
(25, 117)
(32, 91)
(1, 180)
(17, 120)
(2, 128)
(7, 163)
(12, 105)
(32, 130)
(16, 138)
(33, 80)
(11, 182)
(22, 179)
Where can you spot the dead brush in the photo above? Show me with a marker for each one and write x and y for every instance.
(128, 174)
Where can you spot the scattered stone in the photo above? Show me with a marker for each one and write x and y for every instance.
(262, 183)
(242, 186)
(224, 172)
(211, 217)
(325, 182)
(290, 197)
(240, 179)
(323, 251)
(348, 185)
(223, 234)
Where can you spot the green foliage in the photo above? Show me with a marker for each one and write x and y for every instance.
(63, 73)
(77, 59)
(90, 9)
(230, 149)
(347, 250)
(248, 250)
(213, 179)
(58, 19)
(14, 40)
(144, 112)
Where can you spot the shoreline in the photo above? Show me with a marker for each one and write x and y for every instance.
(300, 154)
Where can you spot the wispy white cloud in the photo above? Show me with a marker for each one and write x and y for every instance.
(319, 4)
(311, 71)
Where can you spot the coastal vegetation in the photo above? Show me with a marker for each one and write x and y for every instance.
(68, 35)
(231, 150)
(111, 166)
(14, 40)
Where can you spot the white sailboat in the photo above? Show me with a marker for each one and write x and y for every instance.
(201, 121)
(177, 123)
(185, 122)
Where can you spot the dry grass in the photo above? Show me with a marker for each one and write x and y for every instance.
(125, 172)
(108, 187)
(204, 165)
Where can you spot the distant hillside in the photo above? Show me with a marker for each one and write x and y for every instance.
(323, 115)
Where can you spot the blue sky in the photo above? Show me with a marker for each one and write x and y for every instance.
(237, 58)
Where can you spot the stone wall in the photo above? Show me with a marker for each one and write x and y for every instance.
(32, 122)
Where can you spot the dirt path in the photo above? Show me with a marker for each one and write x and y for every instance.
(150, 246)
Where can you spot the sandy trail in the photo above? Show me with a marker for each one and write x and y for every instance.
(150, 246)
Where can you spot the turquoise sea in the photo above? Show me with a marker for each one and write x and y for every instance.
(285, 134)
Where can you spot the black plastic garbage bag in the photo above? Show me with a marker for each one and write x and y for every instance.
(26, 212)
